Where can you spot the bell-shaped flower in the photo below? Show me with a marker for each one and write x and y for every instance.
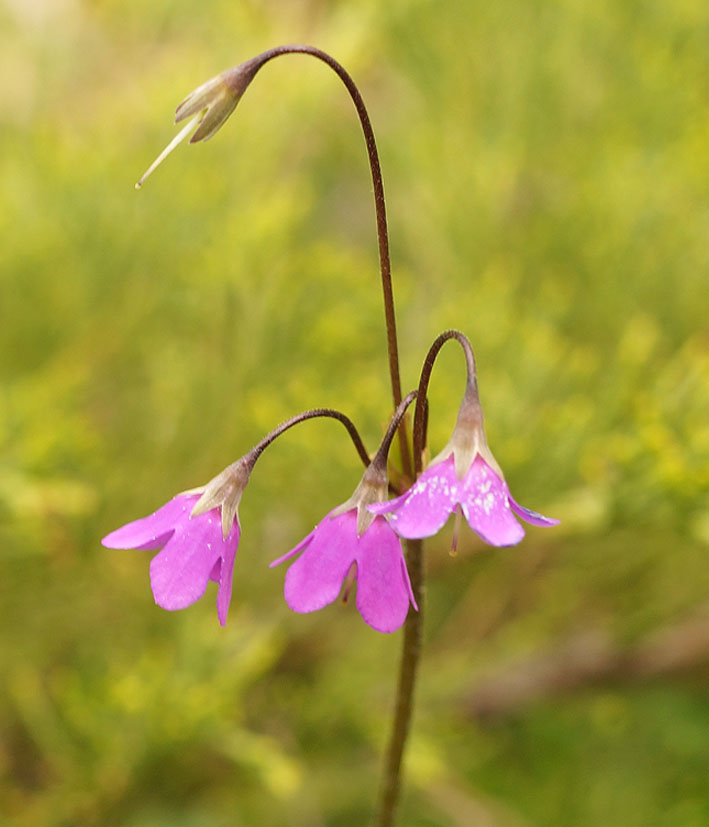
(198, 543)
(209, 105)
(464, 475)
(351, 545)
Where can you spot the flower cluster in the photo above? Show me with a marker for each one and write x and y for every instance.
(356, 543)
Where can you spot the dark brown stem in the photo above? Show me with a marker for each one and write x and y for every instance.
(382, 231)
(383, 452)
(421, 412)
(408, 668)
(258, 449)
(413, 631)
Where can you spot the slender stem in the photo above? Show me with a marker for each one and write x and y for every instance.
(382, 231)
(258, 449)
(421, 412)
(413, 631)
(408, 668)
(382, 454)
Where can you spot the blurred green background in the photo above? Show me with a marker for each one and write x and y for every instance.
(547, 174)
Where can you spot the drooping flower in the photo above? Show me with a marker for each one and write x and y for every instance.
(210, 105)
(348, 545)
(466, 475)
(198, 544)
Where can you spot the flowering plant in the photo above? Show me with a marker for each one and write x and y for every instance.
(357, 544)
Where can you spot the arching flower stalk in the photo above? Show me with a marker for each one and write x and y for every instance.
(464, 475)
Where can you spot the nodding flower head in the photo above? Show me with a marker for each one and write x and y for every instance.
(466, 475)
(351, 544)
(198, 544)
(209, 105)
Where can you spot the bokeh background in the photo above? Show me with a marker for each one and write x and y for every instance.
(546, 168)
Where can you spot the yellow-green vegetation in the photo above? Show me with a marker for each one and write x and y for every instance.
(546, 166)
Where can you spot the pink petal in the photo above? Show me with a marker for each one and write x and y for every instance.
(383, 587)
(425, 507)
(226, 577)
(315, 579)
(216, 573)
(531, 516)
(301, 545)
(485, 502)
(153, 531)
(180, 572)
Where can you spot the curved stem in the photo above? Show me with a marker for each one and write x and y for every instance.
(260, 447)
(382, 231)
(382, 454)
(413, 631)
(408, 668)
(421, 412)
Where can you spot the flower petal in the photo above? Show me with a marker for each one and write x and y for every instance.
(425, 507)
(531, 516)
(226, 573)
(301, 545)
(485, 502)
(180, 572)
(315, 579)
(383, 587)
(153, 531)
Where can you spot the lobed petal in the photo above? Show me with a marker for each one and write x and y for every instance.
(531, 516)
(485, 502)
(424, 508)
(155, 530)
(180, 572)
(383, 586)
(315, 579)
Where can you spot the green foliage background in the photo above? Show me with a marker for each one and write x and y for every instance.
(546, 169)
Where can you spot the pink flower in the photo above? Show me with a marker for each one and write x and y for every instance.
(482, 494)
(198, 544)
(466, 475)
(350, 544)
